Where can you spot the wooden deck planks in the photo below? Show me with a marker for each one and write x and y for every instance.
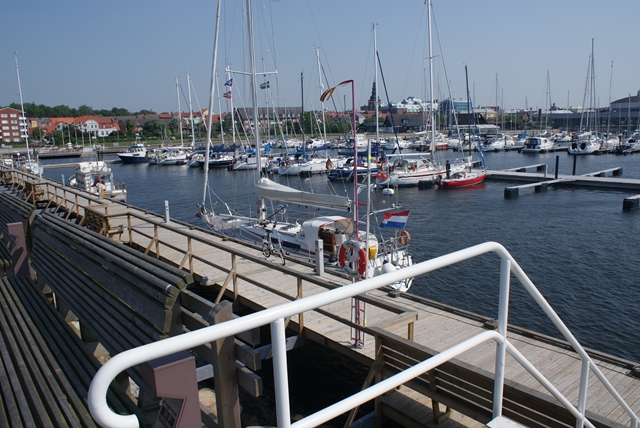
(435, 328)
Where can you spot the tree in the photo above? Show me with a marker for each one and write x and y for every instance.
(154, 127)
(174, 126)
(130, 126)
(37, 134)
(85, 110)
(146, 112)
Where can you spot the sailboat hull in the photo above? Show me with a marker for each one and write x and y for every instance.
(463, 180)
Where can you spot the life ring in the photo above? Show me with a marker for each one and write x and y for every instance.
(405, 238)
(353, 258)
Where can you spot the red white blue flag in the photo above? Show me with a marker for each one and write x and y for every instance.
(227, 95)
(397, 220)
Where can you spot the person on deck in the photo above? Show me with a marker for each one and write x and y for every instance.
(448, 167)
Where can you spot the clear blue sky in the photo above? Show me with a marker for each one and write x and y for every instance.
(128, 53)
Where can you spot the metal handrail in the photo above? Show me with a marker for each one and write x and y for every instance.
(275, 316)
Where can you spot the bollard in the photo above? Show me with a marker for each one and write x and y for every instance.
(319, 257)
(167, 219)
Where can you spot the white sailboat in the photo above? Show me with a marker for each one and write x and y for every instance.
(588, 141)
(32, 166)
(344, 245)
(410, 171)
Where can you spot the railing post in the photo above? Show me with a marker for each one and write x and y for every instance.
(129, 227)
(501, 348)
(582, 397)
(301, 314)
(280, 375)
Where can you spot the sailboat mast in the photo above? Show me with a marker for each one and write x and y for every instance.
(254, 86)
(193, 137)
(179, 113)
(466, 76)
(304, 143)
(24, 118)
(324, 124)
(433, 130)
(375, 68)
(220, 111)
(210, 112)
(233, 119)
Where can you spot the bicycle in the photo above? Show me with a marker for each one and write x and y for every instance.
(268, 247)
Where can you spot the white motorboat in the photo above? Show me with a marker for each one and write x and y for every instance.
(96, 178)
(537, 145)
(136, 153)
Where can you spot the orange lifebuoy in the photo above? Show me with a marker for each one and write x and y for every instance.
(353, 258)
(405, 238)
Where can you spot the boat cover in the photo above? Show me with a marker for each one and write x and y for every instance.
(268, 189)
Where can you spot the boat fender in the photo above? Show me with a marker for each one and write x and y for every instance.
(353, 258)
(405, 238)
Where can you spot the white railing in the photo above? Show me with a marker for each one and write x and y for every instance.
(275, 317)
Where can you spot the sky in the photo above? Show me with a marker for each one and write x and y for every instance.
(127, 54)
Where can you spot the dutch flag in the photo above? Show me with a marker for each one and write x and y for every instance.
(397, 220)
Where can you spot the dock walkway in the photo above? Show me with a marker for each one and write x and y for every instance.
(240, 273)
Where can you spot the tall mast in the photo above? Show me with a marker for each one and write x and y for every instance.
(24, 118)
(193, 137)
(433, 130)
(233, 119)
(220, 111)
(179, 113)
(254, 86)
(210, 112)
(324, 125)
(375, 68)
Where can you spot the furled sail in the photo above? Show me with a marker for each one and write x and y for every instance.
(268, 189)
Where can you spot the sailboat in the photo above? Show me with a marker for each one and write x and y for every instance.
(467, 177)
(32, 166)
(588, 141)
(410, 170)
(343, 245)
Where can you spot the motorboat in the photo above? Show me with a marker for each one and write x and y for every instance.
(537, 145)
(136, 153)
(96, 178)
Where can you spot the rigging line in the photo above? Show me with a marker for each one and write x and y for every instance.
(393, 126)
(444, 68)
(407, 78)
(315, 24)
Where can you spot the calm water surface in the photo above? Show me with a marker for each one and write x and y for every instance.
(577, 246)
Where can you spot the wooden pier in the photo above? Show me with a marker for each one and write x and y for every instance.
(399, 331)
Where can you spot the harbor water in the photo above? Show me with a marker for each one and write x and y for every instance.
(577, 246)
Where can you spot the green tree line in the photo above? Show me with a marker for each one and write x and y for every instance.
(41, 110)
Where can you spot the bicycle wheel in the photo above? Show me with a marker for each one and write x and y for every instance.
(281, 253)
(266, 249)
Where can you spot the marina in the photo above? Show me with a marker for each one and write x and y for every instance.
(421, 320)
